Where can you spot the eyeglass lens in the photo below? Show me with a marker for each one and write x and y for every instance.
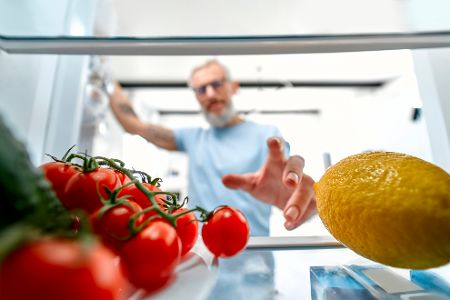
(214, 84)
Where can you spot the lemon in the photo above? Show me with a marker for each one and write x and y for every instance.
(389, 207)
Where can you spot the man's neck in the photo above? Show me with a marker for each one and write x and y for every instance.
(235, 121)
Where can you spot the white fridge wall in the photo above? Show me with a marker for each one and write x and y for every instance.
(433, 71)
(25, 93)
(432, 68)
(40, 95)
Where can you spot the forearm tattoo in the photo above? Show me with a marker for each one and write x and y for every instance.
(155, 134)
(159, 134)
(127, 109)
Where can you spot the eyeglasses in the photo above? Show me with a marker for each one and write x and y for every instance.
(216, 84)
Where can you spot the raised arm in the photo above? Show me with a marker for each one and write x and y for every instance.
(158, 135)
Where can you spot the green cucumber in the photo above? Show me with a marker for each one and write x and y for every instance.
(24, 191)
(28, 206)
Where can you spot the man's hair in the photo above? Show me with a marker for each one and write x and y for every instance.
(207, 64)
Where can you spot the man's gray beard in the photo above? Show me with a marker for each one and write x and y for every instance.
(222, 120)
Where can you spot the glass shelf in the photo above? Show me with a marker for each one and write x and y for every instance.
(319, 274)
(139, 27)
(230, 45)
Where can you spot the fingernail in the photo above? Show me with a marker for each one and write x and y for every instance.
(289, 225)
(278, 140)
(275, 138)
(292, 177)
(292, 213)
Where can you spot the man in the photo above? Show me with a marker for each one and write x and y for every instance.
(235, 161)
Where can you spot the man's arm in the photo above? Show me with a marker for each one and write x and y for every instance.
(158, 135)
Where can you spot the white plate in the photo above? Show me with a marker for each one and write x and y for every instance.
(195, 278)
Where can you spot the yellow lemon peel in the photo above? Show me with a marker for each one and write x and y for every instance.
(390, 207)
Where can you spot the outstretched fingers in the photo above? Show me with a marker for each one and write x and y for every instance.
(301, 205)
(293, 171)
(276, 149)
(245, 182)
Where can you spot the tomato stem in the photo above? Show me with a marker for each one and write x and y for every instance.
(185, 212)
(89, 163)
(155, 182)
(107, 206)
(132, 223)
(64, 159)
(66, 155)
(204, 214)
(151, 195)
(161, 213)
(115, 192)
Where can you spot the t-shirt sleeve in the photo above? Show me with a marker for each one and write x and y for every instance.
(183, 136)
(287, 148)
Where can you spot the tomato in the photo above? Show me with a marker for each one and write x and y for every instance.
(123, 178)
(113, 225)
(226, 232)
(58, 173)
(149, 259)
(187, 230)
(84, 189)
(135, 194)
(61, 269)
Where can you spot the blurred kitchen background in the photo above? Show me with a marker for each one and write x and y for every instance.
(328, 106)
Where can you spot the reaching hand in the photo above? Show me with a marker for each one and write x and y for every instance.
(280, 182)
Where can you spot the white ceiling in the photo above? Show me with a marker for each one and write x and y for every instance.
(236, 17)
(259, 17)
(362, 66)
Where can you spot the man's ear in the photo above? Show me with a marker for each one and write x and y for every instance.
(234, 87)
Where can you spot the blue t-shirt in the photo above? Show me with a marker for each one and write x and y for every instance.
(214, 152)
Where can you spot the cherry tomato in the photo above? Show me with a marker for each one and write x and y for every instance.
(58, 173)
(226, 232)
(187, 230)
(123, 178)
(149, 258)
(135, 194)
(61, 269)
(113, 225)
(83, 190)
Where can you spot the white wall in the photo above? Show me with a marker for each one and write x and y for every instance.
(433, 70)
(236, 17)
(26, 81)
(25, 93)
(40, 95)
